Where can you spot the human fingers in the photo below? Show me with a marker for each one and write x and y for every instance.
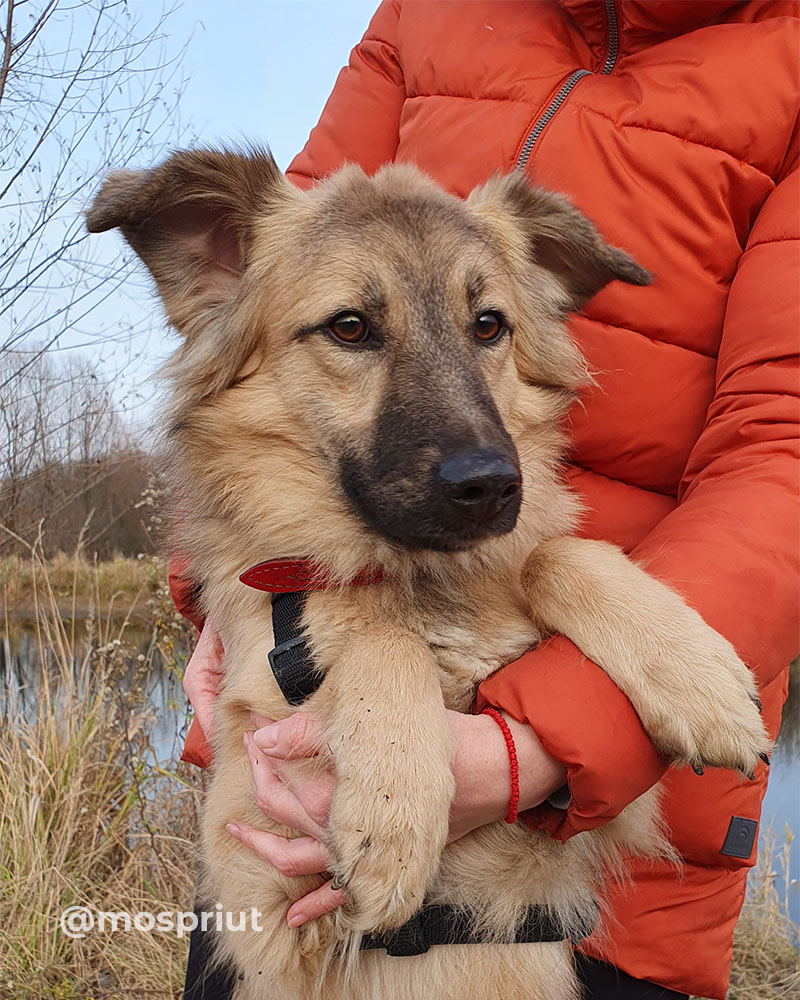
(315, 904)
(301, 856)
(313, 789)
(277, 800)
(299, 735)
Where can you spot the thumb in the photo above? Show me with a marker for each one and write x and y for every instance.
(202, 678)
(301, 735)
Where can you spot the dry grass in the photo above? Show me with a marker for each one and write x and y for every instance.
(766, 963)
(89, 816)
(77, 585)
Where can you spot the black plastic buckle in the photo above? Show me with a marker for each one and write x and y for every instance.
(407, 940)
(283, 648)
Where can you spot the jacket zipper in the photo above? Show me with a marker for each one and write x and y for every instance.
(566, 88)
(613, 38)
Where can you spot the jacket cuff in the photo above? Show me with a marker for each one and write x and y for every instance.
(583, 720)
(196, 749)
(184, 591)
(185, 596)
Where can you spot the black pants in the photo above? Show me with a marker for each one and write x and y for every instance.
(607, 982)
(600, 981)
(203, 982)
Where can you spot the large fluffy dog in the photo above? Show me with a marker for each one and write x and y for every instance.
(373, 374)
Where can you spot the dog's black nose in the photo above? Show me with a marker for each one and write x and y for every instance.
(481, 483)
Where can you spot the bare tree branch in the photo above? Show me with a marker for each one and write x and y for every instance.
(85, 86)
(8, 49)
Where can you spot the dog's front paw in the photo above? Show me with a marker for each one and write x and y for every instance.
(386, 859)
(710, 715)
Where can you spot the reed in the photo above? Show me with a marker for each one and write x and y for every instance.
(766, 962)
(90, 816)
(78, 585)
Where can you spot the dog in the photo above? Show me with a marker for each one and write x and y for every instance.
(373, 375)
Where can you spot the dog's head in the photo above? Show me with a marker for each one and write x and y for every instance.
(397, 325)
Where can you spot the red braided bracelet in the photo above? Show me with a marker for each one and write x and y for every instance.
(513, 763)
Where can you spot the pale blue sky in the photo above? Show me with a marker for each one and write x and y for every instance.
(263, 70)
(258, 71)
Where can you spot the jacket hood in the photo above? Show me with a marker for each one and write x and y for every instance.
(644, 22)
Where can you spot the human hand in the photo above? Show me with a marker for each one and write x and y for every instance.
(480, 767)
(202, 679)
(302, 805)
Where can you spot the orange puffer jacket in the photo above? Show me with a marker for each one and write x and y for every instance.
(673, 126)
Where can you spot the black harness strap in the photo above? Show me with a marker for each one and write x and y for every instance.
(298, 679)
(290, 660)
(434, 925)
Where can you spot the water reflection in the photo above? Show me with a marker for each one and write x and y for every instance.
(23, 653)
(781, 807)
(789, 738)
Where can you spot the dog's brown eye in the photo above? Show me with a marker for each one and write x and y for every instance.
(490, 326)
(350, 328)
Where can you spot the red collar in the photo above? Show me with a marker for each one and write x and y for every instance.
(285, 576)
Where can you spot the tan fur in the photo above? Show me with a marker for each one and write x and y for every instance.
(259, 414)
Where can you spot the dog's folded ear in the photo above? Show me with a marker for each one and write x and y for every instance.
(561, 240)
(191, 222)
(561, 257)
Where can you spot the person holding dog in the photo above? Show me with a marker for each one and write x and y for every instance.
(674, 127)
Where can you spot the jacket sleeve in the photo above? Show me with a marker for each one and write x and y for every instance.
(730, 547)
(183, 590)
(185, 593)
(361, 120)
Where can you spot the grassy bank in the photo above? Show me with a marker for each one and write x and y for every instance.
(90, 816)
(77, 587)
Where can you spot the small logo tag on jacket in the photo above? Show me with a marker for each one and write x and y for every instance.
(740, 837)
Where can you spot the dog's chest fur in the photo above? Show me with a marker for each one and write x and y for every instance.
(471, 631)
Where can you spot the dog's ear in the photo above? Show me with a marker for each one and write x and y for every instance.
(561, 240)
(567, 261)
(191, 222)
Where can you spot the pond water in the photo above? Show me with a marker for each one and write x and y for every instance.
(20, 673)
(781, 807)
(20, 681)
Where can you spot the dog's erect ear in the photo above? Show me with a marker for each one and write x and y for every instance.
(191, 222)
(560, 239)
